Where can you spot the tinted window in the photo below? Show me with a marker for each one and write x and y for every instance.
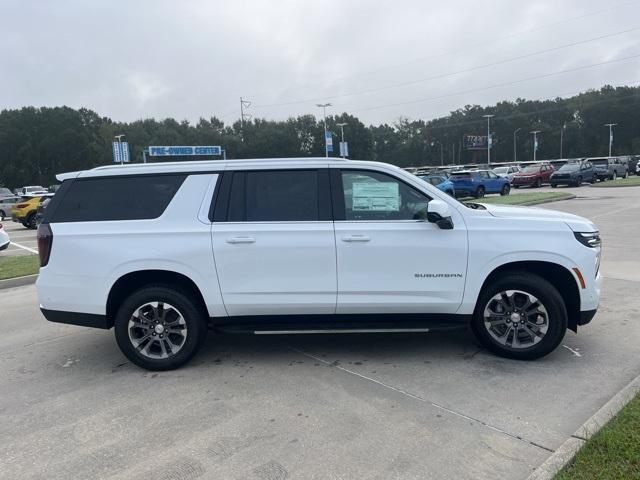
(116, 198)
(274, 196)
(376, 196)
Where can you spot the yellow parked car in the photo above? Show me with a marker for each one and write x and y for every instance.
(25, 211)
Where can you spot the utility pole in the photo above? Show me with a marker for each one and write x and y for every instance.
(341, 125)
(610, 125)
(441, 154)
(324, 115)
(488, 117)
(119, 138)
(564, 126)
(515, 145)
(535, 143)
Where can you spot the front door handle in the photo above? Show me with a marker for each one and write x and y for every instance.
(241, 240)
(356, 238)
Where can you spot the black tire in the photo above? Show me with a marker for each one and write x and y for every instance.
(194, 320)
(553, 185)
(505, 189)
(2, 215)
(479, 192)
(548, 296)
(516, 186)
(538, 183)
(579, 181)
(30, 221)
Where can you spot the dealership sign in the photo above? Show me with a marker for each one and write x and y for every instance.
(159, 151)
(474, 142)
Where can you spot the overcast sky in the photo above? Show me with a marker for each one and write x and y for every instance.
(376, 59)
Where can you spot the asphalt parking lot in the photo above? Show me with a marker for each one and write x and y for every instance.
(342, 407)
(23, 240)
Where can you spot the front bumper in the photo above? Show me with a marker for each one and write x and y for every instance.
(563, 181)
(516, 182)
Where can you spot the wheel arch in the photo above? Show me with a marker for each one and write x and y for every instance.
(559, 276)
(132, 281)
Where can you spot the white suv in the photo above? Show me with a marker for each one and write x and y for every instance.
(162, 252)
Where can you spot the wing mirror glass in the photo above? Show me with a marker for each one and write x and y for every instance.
(439, 213)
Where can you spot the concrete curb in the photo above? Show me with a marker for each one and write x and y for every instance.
(18, 281)
(567, 451)
(541, 201)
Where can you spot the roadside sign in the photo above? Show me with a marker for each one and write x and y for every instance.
(344, 149)
(170, 151)
(329, 141)
(121, 152)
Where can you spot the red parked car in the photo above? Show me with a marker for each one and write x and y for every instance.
(533, 175)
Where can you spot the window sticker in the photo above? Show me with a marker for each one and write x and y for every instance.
(376, 197)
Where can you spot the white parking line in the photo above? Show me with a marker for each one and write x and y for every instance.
(24, 248)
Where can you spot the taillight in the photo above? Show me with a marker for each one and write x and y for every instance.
(45, 240)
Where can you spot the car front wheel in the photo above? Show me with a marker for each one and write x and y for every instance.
(480, 192)
(160, 327)
(520, 315)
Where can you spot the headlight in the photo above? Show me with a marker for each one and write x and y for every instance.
(588, 239)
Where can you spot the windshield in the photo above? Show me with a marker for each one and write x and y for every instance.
(501, 170)
(531, 169)
(569, 167)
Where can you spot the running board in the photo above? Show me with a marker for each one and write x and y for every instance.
(342, 330)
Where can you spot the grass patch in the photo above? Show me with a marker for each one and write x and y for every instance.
(613, 453)
(532, 198)
(11, 267)
(622, 182)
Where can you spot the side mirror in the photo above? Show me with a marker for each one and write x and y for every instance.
(440, 214)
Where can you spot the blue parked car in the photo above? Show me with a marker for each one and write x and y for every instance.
(441, 182)
(477, 183)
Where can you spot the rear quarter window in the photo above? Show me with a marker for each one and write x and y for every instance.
(115, 198)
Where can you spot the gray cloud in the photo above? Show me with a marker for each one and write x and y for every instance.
(186, 59)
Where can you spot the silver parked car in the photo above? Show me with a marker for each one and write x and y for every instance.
(507, 172)
(6, 203)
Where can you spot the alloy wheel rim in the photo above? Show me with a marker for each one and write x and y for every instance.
(157, 330)
(516, 319)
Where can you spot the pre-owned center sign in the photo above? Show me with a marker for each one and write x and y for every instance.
(160, 151)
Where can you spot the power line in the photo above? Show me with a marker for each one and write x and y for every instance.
(497, 85)
(339, 80)
(445, 75)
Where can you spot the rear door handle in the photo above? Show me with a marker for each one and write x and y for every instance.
(241, 240)
(356, 238)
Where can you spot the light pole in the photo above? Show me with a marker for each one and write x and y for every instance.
(515, 145)
(564, 126)
(610, 125)
(119, 138)
(488, 117)
(341, 125)
(535, 143)
(324, 115)
(441, 154)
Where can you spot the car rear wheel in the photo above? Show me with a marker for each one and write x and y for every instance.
(505, 189)
(30, 221)
(538, 183)
(2, 215)
(160, 327)
(480, 192)
(578, 181)
(520, 315)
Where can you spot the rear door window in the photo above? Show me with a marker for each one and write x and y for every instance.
(115, 198)
(279, 196)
